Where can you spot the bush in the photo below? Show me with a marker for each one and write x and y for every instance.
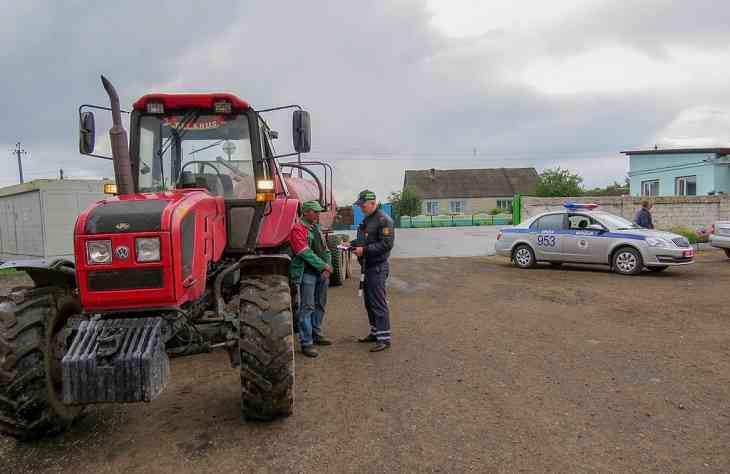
(687, 232)
(495, 211)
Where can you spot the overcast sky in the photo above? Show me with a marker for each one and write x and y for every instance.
(391, 85)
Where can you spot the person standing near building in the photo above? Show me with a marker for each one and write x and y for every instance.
(643, 217)
(310, 272)
(375, 236)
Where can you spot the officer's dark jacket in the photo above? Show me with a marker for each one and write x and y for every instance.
(378, 234)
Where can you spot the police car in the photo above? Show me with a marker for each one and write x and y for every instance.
(582, 234)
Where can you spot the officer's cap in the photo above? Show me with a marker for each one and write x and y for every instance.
(364, 196)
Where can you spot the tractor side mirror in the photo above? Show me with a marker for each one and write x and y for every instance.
(87, 133)
(301, 131)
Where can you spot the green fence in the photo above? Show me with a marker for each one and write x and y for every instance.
(420, 222)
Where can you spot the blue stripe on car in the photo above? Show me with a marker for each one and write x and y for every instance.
(614, 235)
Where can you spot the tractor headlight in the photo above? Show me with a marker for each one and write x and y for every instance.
(657, 242)
(98, 251)
(148, 249)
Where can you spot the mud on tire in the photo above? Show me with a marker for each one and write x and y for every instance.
(266, 346)
(31, 344)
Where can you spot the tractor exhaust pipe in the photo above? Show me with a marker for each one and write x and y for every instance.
(120, 143)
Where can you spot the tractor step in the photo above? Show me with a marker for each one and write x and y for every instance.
(116, 361)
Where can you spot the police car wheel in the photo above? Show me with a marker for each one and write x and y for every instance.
(627, 261)
(524, 257)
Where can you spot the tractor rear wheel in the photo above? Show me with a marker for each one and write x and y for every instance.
(339, 260)
(266, 346)
(33, 339)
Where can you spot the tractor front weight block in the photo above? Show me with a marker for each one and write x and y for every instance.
(116, 361)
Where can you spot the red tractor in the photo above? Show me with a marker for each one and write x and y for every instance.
(191, 255)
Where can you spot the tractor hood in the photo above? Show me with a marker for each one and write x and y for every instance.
(131, 213)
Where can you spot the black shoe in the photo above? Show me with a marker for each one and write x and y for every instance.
(309, 351)
(368, 338)
(381, 346)
(323, 341)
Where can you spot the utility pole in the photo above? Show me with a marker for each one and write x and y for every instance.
(60, 172)
(19, 151)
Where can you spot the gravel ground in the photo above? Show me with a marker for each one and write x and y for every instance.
(544, 370)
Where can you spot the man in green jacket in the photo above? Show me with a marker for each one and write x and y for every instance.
(310, 272)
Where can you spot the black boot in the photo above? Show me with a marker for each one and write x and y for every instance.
(381, 346)
(309, 351)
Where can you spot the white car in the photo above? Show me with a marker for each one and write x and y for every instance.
(720, 236)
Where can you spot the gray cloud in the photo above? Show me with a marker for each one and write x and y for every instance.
(386, 90)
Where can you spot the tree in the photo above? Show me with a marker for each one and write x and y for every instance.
(407, 202)
(615, 189)
(555, 182)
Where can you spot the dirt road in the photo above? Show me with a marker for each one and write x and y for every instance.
(494, 369)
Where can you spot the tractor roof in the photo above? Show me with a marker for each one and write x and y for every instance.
(186, 101)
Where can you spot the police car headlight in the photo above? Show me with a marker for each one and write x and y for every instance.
(657, 242)
(148, 249)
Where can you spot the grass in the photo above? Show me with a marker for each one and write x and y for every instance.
(8, 271)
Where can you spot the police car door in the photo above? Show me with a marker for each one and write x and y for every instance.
(546, 236)
(583, 244)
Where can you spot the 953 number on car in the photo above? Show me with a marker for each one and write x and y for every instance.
(547, 240)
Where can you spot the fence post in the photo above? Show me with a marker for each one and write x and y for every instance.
(516, 209)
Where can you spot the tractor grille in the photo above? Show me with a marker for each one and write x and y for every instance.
(681, 242)
(127, 279)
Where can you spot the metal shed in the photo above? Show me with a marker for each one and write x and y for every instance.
(37, 218)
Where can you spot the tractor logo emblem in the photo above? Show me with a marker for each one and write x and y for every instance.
(122, 252)
(122, 226)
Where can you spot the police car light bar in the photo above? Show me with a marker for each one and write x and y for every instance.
(575, 205)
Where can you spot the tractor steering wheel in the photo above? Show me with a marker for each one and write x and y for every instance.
(204, 164)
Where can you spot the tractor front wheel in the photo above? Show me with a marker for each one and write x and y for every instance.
(266, 346)
(33, 338)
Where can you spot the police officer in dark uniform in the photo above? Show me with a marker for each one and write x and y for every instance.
(375, 236)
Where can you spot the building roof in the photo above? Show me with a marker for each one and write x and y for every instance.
(472, 183)
(679, 151)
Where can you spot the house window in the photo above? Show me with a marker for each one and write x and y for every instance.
(650, 188)
(432, 208)
(504, 203)
(457, 207)
(686, 186)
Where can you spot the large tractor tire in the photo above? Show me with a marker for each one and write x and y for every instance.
(339, 259)
(266, 346)
(32, 342)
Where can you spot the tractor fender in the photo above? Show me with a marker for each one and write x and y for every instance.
(51, 272)
(264, 264)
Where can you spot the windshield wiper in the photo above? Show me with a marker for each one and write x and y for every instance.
(188, 119)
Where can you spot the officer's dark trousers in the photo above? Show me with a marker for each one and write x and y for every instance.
(376, 301)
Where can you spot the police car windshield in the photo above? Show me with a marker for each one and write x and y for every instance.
(618, 223)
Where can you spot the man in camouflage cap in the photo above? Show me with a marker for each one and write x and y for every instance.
(375, 236)
(310, 271)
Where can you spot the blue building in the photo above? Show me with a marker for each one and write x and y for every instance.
(679, 172)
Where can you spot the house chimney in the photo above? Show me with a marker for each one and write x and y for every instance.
(432, 173)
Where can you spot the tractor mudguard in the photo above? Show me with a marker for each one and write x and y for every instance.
(52, 272)
(269, 264)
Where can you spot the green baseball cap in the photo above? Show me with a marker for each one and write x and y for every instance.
(366, 195)
(312, 205)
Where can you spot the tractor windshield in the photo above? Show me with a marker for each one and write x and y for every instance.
(194, 150)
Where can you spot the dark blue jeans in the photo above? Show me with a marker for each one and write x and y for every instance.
(312, 303)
